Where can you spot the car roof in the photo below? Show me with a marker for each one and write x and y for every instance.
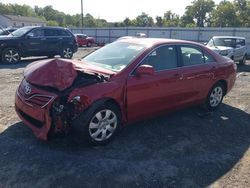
(80, 34)
(229, 37)
(47, 27)
(155, 41)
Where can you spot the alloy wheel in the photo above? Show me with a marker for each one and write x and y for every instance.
(11, 56)
(103, 125)
(67, 53)
(216, 96)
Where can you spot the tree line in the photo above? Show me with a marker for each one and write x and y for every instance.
(200, 13)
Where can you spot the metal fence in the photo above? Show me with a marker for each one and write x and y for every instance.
(107, 35)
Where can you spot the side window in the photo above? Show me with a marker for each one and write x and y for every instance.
(36, 33)
(162, 58)
(51, 32)
(191, 56)
(240, 42)
(208, 58)
(62, 33)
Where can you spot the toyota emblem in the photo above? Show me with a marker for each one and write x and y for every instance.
(27, 89)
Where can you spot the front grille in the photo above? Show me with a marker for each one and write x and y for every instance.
(31, 120)
(39, 100)
(35, 99)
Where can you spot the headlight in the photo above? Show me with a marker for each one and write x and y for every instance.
(224, 52)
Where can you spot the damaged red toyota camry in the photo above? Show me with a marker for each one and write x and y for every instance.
(125, 81)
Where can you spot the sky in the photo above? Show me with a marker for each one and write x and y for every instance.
(112, 10)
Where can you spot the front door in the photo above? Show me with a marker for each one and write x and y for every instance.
(33, 44)
(147, 95)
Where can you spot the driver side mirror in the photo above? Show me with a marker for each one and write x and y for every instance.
(144, 70)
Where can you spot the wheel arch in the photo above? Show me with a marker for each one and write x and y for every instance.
(224, 83)
(15, 47)
(107, 100)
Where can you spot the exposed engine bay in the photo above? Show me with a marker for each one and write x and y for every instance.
(64, 111)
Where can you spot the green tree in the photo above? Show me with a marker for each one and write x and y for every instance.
(144, 20)
(127, 22)
(89, 21)
(171, 19)
(242, 8)
(15, 9)
(224, 15)
(159, 21)
(199, 11)
(52, 23)
(187, 18)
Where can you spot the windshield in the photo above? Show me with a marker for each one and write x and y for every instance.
(222, 42)
(20, 32)
(115, 56)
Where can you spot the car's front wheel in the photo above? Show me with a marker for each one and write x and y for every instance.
(99, 124)
(10, 55)
(215, 96)
(67, 53)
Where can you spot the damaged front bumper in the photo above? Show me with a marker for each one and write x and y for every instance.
(34, 110)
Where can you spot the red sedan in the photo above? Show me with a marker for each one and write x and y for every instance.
(125, 81)
(83, 40)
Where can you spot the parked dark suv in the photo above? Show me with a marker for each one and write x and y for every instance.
(37, 41)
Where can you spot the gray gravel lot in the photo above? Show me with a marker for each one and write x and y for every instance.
(181, 149)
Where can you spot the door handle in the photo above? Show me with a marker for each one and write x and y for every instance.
(60, 38)
(43, 38)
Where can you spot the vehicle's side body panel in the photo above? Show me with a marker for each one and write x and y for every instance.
(150, 94)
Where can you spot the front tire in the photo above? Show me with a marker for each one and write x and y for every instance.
(215, 97)
(67, 53)
(99, 124)
(11, 55)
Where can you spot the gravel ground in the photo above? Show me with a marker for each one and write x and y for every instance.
(181, 149)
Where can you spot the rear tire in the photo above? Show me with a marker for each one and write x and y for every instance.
(89, 44)
(10, 55)
(67, 53)
(215, 97)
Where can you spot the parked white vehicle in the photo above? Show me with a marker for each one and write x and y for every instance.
(232, 47)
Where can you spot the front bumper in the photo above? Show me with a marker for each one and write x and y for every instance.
(34, 111)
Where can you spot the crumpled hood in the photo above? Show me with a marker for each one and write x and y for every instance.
(58, 73)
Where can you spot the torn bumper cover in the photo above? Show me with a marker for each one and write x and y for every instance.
(34, 109)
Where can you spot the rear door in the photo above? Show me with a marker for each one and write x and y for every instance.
(198, 70)
(53, 40)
